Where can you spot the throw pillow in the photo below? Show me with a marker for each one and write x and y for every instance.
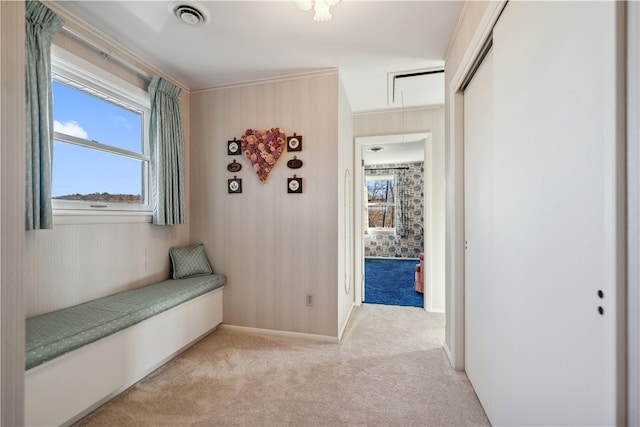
(191, 261)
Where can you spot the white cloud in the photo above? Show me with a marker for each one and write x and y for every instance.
(121, 121)
(70, 128)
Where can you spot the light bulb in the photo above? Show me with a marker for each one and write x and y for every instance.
(322, 11)
(320, 7)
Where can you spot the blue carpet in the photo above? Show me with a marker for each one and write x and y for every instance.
(390, 282)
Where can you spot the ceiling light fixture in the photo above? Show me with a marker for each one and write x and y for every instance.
(320, 7)
(190, 12)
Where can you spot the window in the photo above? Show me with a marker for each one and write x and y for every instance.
(100, 150)
(381, 204)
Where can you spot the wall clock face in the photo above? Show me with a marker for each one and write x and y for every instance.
(294, 143)
(294, 185)
(233, 148)
(234, 185)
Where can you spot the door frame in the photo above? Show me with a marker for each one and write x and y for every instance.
(454, 178)
(633, 213)
(361, 142)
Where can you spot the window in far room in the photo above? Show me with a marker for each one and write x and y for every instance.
(381, 204)
(100, 150)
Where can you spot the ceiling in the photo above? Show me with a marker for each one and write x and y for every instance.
(367, 41)
(393, 153)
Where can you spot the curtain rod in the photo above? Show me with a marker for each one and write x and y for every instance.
(382, 169)
(106, 54)
(91, 37)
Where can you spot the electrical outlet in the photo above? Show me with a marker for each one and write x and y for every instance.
(309, 300)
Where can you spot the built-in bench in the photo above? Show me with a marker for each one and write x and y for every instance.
(81, 356)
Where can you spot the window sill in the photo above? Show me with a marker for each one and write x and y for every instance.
(381, 232)
(78, 217)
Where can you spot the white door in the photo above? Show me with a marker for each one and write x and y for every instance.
(544, 217)
(480, 290)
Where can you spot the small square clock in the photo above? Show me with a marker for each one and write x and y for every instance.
(233, 147)
(294, 143)
(294, 185)
(234, 186)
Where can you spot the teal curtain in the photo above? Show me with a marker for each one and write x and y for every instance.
(167, 153)
(41, 25)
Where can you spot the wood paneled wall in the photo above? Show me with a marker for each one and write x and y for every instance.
(391, 122)
(72, 264)
(12, 217)
(274, 247)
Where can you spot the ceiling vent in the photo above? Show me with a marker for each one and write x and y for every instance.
(415, 88)
(190, 12)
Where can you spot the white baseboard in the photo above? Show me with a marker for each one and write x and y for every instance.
(436, 310)
(346, 322)
(287, 334)
(447, 351)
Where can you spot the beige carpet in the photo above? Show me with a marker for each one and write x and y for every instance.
(389, 370)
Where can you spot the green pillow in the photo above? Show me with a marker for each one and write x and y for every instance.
(189, 262)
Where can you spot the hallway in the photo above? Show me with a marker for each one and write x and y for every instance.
(389, 370)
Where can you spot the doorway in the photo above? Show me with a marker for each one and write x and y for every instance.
(384, 170)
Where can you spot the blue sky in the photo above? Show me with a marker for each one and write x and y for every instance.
(81, 170)
(380, 189)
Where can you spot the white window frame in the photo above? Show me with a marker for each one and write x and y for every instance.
(71, 70)
(381, 230)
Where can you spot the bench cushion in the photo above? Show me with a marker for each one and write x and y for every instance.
(53, 334)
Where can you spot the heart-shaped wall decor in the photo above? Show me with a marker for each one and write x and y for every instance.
(263, 149)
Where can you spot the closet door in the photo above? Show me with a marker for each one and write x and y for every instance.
(480, 291)
(545, 227)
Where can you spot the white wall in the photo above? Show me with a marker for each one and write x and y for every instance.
(273, 247)
(633, 213)
(12, 219)
(415, 121)
(346, 211)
